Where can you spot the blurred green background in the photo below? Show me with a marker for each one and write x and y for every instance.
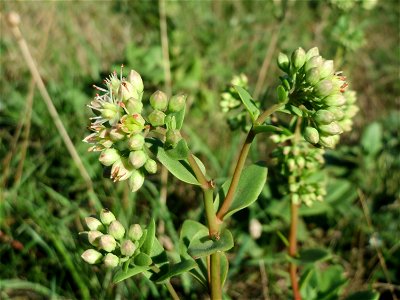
(43, 196)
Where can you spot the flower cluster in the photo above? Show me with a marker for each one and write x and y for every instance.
(113, 244)
(298, 164)
(313, 90)
(120, 127)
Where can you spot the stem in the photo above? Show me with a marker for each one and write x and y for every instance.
(215, 283)
(241, 161)
(172, 291)
(293, 249)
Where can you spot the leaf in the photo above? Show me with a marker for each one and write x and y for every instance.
(142, 259)
(312, 255)
(250, 185)
(266, 128)
(150, 237)
(179, 117)
(248, 103)
(203, 245)
(180, 151)
(188, 231)
(120, 275)
(371, 140)
(158, 254)
(224, 265)
(364, 295)
(176, 269)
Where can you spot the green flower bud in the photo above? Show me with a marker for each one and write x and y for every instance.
(337, 112)
(113, 83)
(298, 58)
(128, 248)
(331, 129)
(324, 116)
(351, 111)
(93, 237)
(282, 94)
(177, 103)
(296, 198)
(91, 256)
(335, 100)
(127, 91)
(136, 142)
(107, 243)
(116, 134)
(134, 106)
(136, 81)
(313, 76)
(137, 158)
(255, 228)
(132, 124)
(109, 156)
(159, 101)
(283, 62)
(111, 260)
(136, 181)
(116, 230)
(346, 124)
(324, 88)
(312, 52)
(93, 223)
(151, 166)
(313, 62)
(326, 69)
(311, 135)
(157, 118)
(110, 112)
(327, 141)
(135, 232)
(173, 136)
(121, 170)
(106, 216)
(301, 162)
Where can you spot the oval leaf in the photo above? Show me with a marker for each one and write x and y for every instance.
(120, 275)
(175, 270)
(312, 255)
(248, 103)
(203, 245)
(150, 237)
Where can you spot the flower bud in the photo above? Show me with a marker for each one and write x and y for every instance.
(121, 170)
(127, 91)
(311, 135)
(337, 112)
(326, 69)
(109, 156)
(109, 111)
(107, 243)
(91, 256)
(128, 248)
(135, 79)
(313, 62)
(132, 124)
(313, 76)
(159, 101)
(346, 124)
(93, 237)
(301, 162)
(255, 228)
(135, 232)
(106, 216)
(312, 52)
(116, 230)
(324, 88)
(93, 223)
(137, 158)
(291, 164)
(335, 100)
(134, 106)
(173, 136)
(283, 62)
(351, 111)
(298, 58)
(151, 166)
(157, 118)
(331, 129)
(282, 94)
(116, 134)
(111, 260)
(177, 103)
(324, 116)
(136, 181)
(327, 141)
(136, 142)
(296, 198)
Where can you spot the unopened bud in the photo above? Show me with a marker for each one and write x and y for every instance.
(327, 141)
(298, 58)
(282, 94)
(116, 230)
(109, 156)
(312, 52)
(313, 76)
(351, 111)
(128, 248)
(93, 237)
(121, 170)
(313, 62)
(337, 112)
(91, 256)
(159, 101)
(311, 135)
(116, 134)
(346, 124)
(134, 106)
(324, 116)
(136, 142)
(137, 158)
(324, 88)
(127, 91)
(301, 162)
(173, 137)
(106, 216)
(177, 103)
(326, 69)
(135, 79)
(283, 62)
(136, 181)
(331, 129)
(157, 118)
(151, 166)
(93, 223)
(107, 243)
(109, 111)
(111, 260)
(255, 228)
(335, 100)
(135, 232)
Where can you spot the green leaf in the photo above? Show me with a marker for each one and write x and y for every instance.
(364, 295)
(179, 117)
(175, 269)
(248, 103)
(266, 128)
(158, 254)
(120, 275)
(371, 140)
(297, 111)
(150, 237)
(250, 185)
(142, 259)
(179, 152)
(312, 255)
(188, 231)
(202, 245)
(224, 264)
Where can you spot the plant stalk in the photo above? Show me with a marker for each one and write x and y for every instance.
(215, 282)
(293, 249)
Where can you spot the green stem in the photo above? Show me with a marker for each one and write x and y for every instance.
(293, 249)
(172, 291)
(241, 161)
(215, 282)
